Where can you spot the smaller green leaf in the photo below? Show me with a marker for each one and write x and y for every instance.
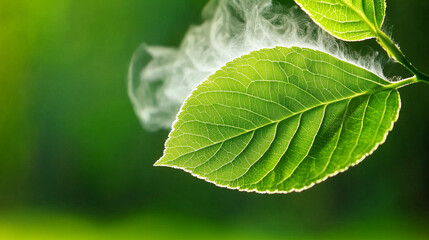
(281, 120)
(349, 20)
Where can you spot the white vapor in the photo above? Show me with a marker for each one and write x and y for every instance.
(160, 78)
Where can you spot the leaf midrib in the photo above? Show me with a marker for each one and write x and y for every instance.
(364, 18)
(374, 90)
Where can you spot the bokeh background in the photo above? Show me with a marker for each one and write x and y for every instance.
(76, 164)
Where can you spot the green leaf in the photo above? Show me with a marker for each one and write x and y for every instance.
(281, 120)
(349, 20)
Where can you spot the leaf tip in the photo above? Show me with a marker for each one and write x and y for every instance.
(159, 163)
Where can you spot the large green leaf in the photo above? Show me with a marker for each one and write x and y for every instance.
(350, 20)
(280, 120)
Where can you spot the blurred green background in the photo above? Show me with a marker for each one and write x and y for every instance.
(76, 164)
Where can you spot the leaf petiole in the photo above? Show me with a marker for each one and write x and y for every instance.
(403, 83)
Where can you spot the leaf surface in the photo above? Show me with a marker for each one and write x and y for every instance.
(349, 20)
(281, 120)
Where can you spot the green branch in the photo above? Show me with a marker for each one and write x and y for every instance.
(393, 50)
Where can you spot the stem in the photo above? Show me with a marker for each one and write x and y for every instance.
(393, 50)
(404, 82)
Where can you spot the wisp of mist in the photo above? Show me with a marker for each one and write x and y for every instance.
(161, 78)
